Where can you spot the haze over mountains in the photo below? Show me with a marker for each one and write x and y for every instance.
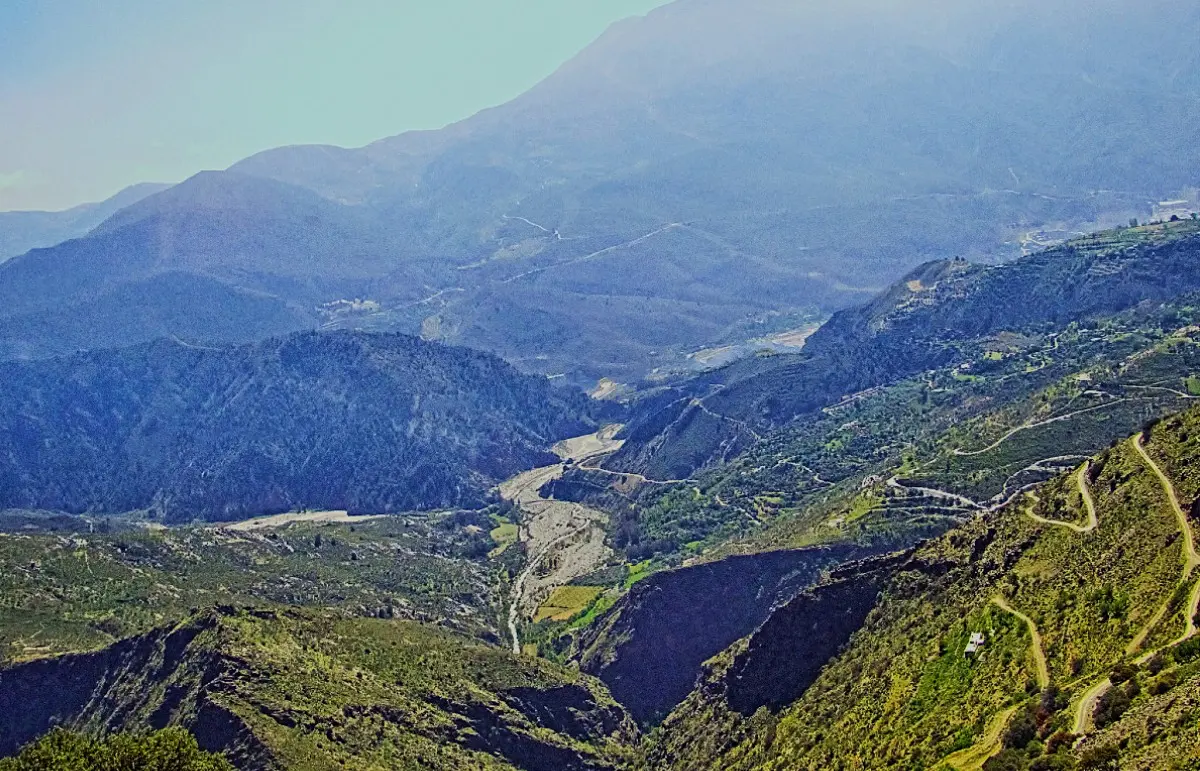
(905, 546)
(686, 181)
(21, 231)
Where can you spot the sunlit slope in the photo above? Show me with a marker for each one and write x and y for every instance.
(1086, 631)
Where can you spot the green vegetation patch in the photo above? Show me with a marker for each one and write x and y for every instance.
(566, 602)
(80, 592)
(309, 690)
(504, 535)
(907, 693)
(168, 750)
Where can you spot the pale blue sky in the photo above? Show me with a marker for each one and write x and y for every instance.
(99, 94)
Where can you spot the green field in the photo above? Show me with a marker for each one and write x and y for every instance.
(566, 602)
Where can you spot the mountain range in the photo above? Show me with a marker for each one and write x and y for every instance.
(855, 551)
(685, 182)
(954, 532)
(21, 231)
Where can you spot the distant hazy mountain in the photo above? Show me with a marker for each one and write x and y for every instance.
(372, 423)
(696, 176)
(21, 231)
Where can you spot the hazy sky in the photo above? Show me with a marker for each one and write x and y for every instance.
(99, 94)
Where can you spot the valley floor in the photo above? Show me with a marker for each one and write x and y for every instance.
(562, 540)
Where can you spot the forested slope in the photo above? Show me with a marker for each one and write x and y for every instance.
(938, 315)
(347, 421)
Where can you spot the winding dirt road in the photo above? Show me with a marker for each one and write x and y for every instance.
(1191, 557)
(1087, 706)
(1039, 653)
(973, 757)
(1086, 492)
(1038, 424)
(1088, 501)
(1191, 560)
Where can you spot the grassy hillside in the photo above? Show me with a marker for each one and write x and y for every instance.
(882, 469)
(1010, 410)
(306, 691)
(71, 591)
(1084, 591)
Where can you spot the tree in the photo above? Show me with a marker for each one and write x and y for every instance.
(1100, 757)
(170, 750)
(1022, 729)
(1007, 760)
(1109, 708)
(1121, 673)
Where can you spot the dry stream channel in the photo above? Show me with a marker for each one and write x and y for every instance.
(562, 540)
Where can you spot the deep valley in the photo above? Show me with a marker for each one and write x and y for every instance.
(775, 386)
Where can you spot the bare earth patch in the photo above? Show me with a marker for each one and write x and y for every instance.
(282, 520)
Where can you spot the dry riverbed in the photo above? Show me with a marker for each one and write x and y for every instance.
(562, 540)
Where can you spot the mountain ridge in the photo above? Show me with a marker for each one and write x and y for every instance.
(369, 423)
(529, 225)
(915, 325)
(21, 231)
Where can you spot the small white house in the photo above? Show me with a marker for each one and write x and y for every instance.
(976, 643)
